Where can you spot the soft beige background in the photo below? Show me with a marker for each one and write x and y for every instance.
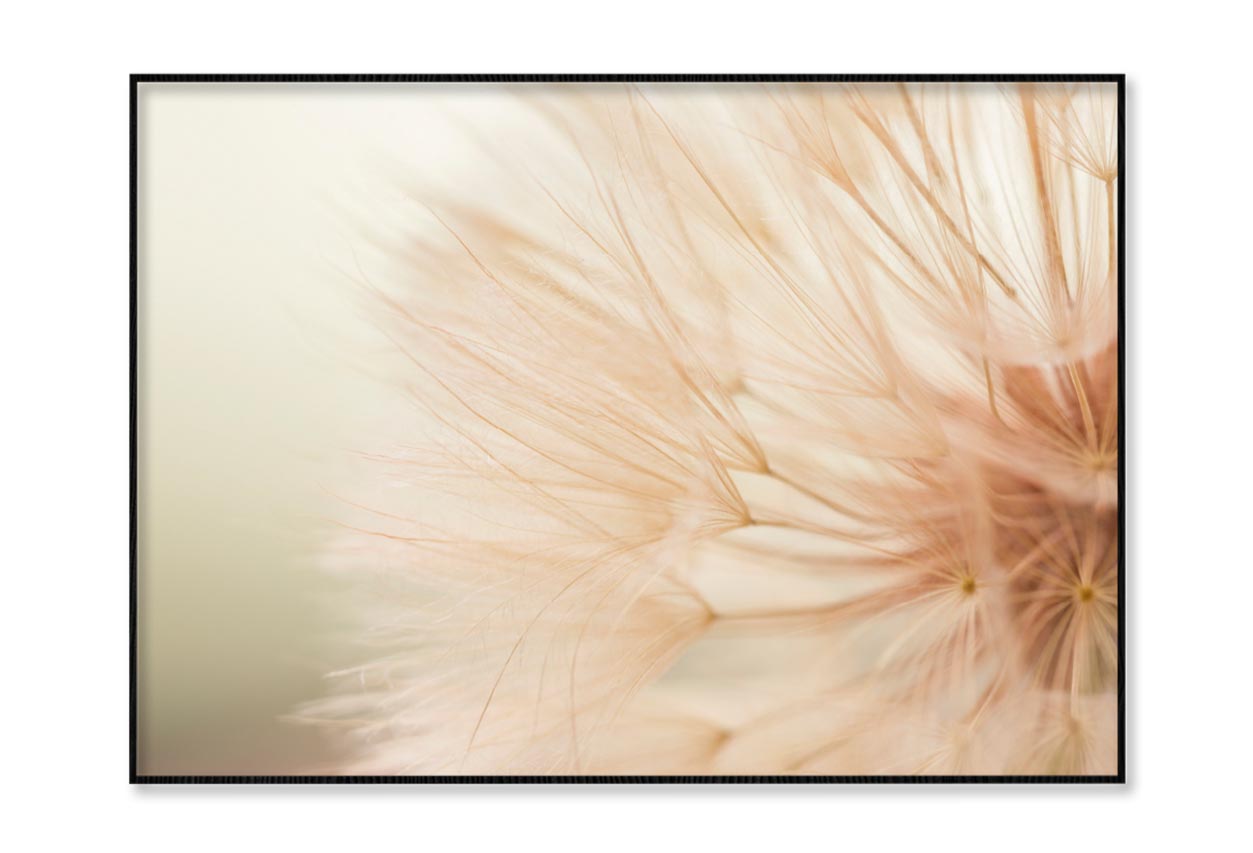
(254, 200)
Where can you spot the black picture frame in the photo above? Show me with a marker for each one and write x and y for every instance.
(138, 80)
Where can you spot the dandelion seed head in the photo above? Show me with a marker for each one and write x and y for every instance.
(766, 430)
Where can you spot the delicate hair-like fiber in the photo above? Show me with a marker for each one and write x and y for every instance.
(768, 430)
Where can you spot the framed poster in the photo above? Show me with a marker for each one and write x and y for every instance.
(723, 428)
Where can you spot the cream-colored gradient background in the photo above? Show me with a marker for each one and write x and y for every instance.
(257, 378)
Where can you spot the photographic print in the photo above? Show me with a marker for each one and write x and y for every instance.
(631, 428)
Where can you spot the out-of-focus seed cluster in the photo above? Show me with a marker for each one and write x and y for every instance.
(768, 430)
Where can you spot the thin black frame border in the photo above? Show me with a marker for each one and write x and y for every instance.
(1120, 79)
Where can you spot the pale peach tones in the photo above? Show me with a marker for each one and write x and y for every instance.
(768, 430)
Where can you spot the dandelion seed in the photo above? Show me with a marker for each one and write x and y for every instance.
(776, 432)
